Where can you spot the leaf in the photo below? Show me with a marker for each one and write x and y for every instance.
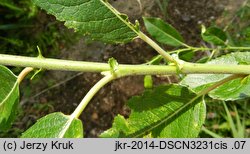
(186, 126)
(113, 64)
(233, 90)
(187, 55)
(9, 97)
(163, 32)
(164, 109)
(55, 125)
(91, 17)
(214, 35)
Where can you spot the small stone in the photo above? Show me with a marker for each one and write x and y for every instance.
(212, 18)
(200, 22)
(94, 116)
(186, 18)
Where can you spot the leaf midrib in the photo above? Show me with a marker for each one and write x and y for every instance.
(66, 126)
(9, 94)
(170, 116)
(116, 13)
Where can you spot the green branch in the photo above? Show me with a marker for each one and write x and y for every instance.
(196, 49)
(68, 65)
(141, 34)
(91, 94)
(154, 45)
(236, 48)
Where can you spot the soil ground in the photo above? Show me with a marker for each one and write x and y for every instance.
(69, 87)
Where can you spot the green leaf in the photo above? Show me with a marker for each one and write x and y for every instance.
(166, 110)
(163, 32)
(233, 90)
(9, 97)
(113, 64)
(96, 18)
(55, 125)
(214, 35)
(186, 126)
(187, 55)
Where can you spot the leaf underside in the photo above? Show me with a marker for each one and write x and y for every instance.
(9, 97)
(55, 125)
(155, 113)
(90, 17)
(233, 90)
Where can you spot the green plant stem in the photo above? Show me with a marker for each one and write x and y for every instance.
(11, 6)
(141, 34)
(154, 45)
(23, 74)
(223, 48)
(155, 59)
(207, 131)
(212, 55)
(230, 121)
(193, 68)
(236, 48)
(180, 50)
(91, 94)
(195, 49)
(68, 65)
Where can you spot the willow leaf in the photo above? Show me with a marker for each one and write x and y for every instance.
(9, 97)
(233, 90)
(55, 125)
(96, 18)
(214, 35)
(159, 112)
(163, 32)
